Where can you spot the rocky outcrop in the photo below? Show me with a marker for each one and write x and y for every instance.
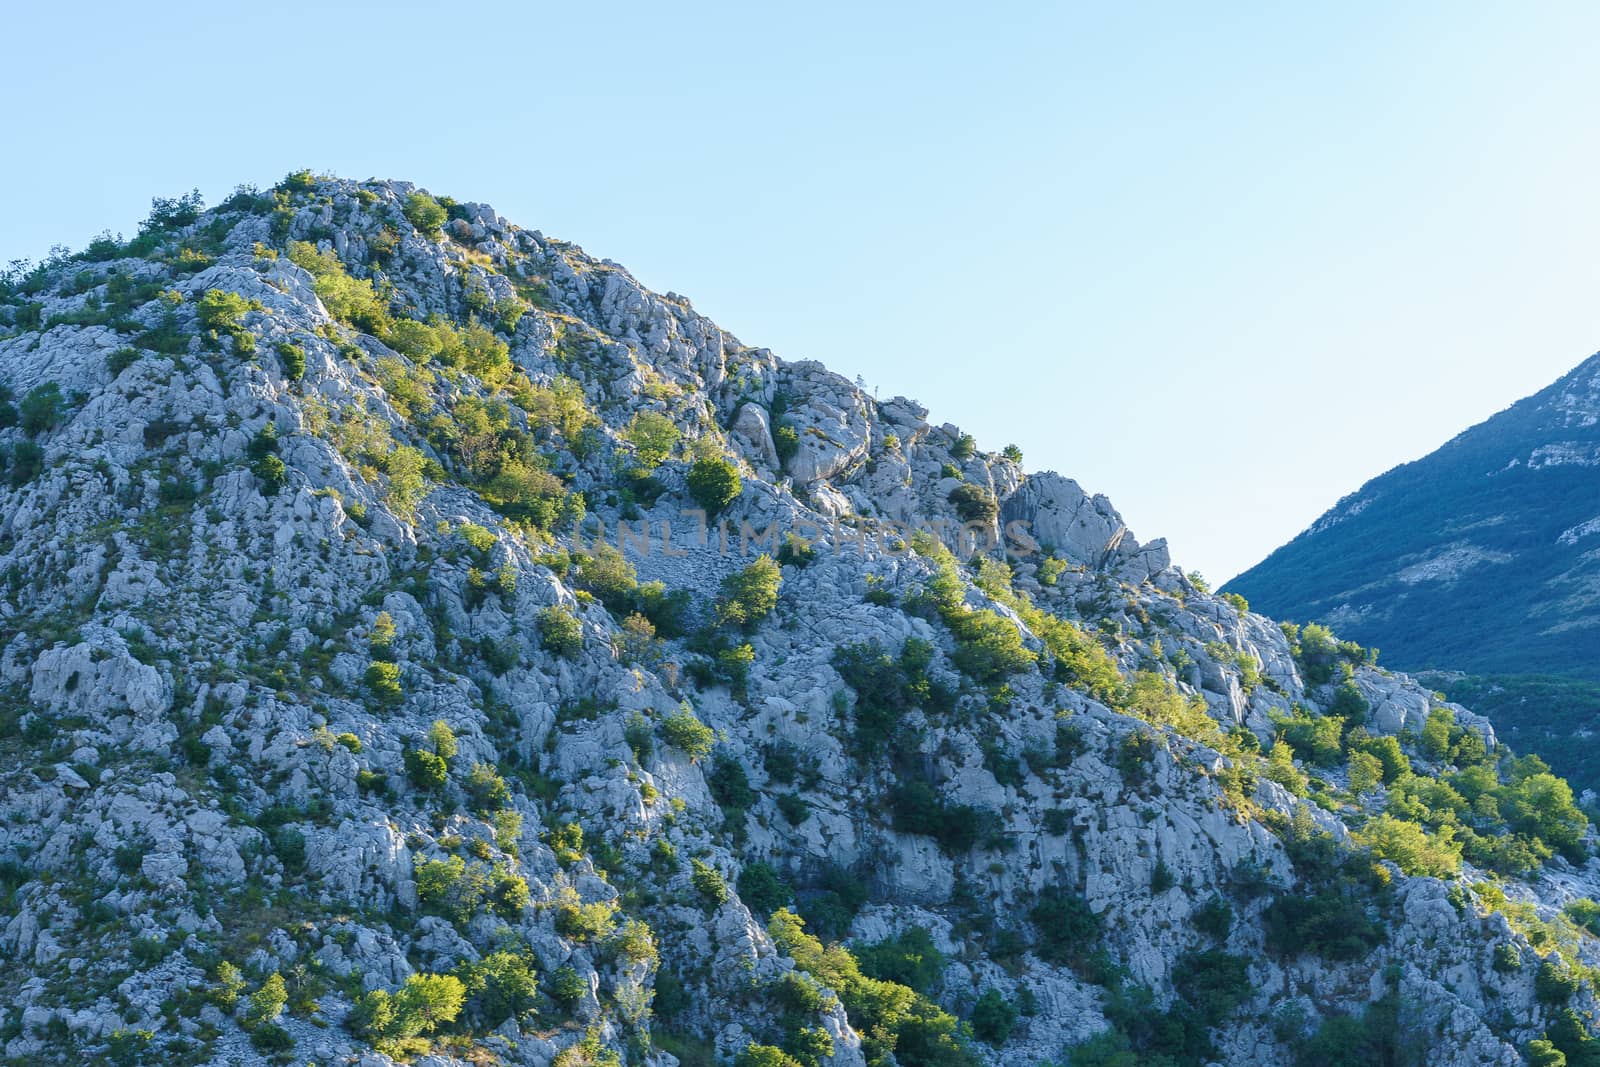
(358, 701)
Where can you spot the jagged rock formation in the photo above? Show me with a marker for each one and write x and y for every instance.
(335, 730)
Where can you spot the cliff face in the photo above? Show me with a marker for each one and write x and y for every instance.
(395, 662)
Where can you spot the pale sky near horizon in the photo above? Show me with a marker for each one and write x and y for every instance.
(1222, 265)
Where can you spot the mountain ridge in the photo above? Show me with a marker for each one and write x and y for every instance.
(334, 728)
(1489, 531)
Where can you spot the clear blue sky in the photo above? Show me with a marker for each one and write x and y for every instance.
(1222, 265)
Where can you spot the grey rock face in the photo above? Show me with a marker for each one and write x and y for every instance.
(360, 735)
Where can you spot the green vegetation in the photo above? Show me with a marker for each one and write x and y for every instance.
(708, 882)
(1329, 925)
(41, 409)
(560, 632)
(425, 213)
(974, 503)
(293, 360)
(685, 732)
(383, 681)
(393, 1022)
(894, 1020)
(886, 687)
(653, 437)
(714, 484)
(910, 959)
(763, 889)
(750, 594)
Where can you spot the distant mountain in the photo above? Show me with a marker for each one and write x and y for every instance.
(1483, 557)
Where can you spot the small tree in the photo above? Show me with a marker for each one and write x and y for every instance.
(41, 409)
(763, 889)
(1366, 771)
(714, 484)
(993, 1017)
(383, 679)
(273, 474)
(708, 882)
(560, 632)
(426, 770)
(684, 731)
(653, 436)
(750, 594)
(293, 360)
(443, 739)
(267, 1002)
(974, 503)
(425, 213)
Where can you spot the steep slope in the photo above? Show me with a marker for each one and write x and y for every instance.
(416, 637)
(1483, 556)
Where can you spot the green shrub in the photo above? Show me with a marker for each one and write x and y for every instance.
(351, 300)
(714, 484)
(502, 985)
(582, 922)
(567, 986)
(122, 359)
(918, 808)
(271, 1038)
(272, 474)
(910, 958)
(965, 447)
(391, 1022)
(754, 1055)
(25, 464)
(222, 311)
(1066, 929)
(896, 1023)
(886, 688)
(1214, 918)
(230, 983)
(1412, 848)
(796, 551)
(267, 1002)
(560, 632)
(730, 784)
(1349, 704)
(487, 790)
(41, 409)
(1554, 984)
(786, 442)
(974, 503)
(685, 732)
(793, 808)
(653, 437)
(1324, 924)
(426, 770)
(424, 212)
(383, 679)
(750, 594)
(763, 889)
(293, 360)
(1162, 878)
(993, 1017)
(442, 739)
(708, 882)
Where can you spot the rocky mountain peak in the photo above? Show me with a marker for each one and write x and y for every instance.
(418, 639)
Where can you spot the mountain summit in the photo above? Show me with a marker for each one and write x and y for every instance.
(419, 641)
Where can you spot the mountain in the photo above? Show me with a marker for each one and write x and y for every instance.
(420, 641)
(1481, 559)
(1483, 556)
